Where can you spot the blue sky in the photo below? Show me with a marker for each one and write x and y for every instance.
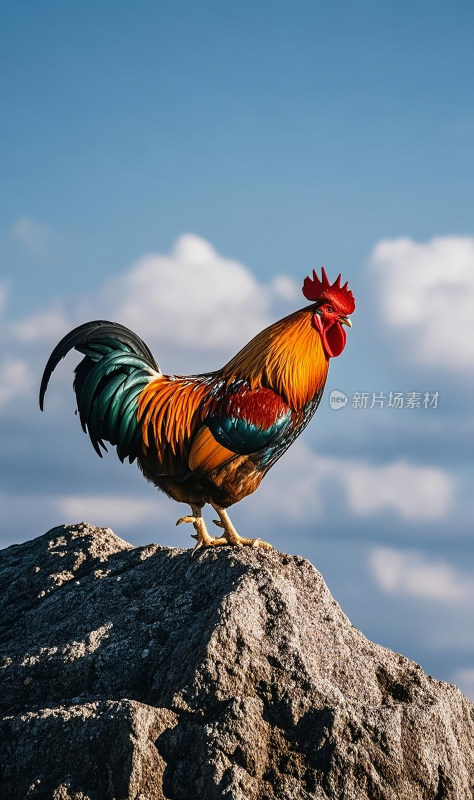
(219, 146)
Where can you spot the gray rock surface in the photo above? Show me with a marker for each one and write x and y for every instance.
(146, 673)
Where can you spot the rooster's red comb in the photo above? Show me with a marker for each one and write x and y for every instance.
(342, 297)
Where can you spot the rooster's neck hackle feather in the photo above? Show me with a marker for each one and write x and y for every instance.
(287, 357)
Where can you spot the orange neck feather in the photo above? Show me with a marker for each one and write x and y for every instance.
(287, 357)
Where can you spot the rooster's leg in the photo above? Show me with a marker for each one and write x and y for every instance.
(202, 536)
(231, 536)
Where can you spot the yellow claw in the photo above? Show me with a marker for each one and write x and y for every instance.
(229, 535)
(185, 519)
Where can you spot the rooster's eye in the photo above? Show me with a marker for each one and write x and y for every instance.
(329, 309)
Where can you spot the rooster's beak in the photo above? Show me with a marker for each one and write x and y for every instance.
(345, 321)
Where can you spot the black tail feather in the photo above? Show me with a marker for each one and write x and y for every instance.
(96, 330)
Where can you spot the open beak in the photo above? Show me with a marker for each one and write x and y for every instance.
(345, 321)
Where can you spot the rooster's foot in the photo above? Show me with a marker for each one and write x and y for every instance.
(231, 536)
(202, 536)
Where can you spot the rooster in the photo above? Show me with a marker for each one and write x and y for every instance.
(208, 438)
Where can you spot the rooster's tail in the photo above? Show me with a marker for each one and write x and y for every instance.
(108, 381)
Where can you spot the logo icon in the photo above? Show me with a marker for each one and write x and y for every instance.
(337, 399)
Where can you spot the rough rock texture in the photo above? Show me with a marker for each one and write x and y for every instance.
(147, 673)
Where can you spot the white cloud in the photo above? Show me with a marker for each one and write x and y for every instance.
(108, 510)
(286, 288)
(410, 572)
(426, 293)
(44, 326)
(15, 380)
(414, 492)
(464, 678)
(297, 488)
(193, 298)
(35, 237)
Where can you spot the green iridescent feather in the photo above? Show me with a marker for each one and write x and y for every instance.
(116, 367)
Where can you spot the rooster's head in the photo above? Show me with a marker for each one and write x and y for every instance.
(334, 304)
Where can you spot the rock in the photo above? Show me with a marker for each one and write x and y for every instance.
(148, 673)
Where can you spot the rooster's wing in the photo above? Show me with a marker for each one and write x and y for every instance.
(245, 422)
